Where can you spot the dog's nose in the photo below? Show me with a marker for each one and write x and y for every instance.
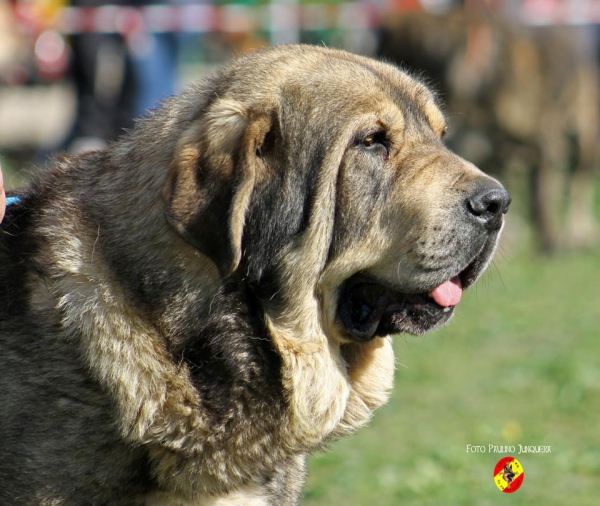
(487, 205)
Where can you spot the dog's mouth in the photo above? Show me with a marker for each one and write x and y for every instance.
(368, 307)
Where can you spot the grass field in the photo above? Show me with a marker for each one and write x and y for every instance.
(520, 363)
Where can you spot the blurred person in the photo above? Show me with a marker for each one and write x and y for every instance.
(94, 62)
(119, 76)
(154, 58)
(101, 71)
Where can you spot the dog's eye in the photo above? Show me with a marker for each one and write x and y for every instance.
(369, 141)
(374, 142)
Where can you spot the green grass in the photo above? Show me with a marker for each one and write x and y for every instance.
(520, 363)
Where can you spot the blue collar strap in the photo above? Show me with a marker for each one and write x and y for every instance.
(12, 200)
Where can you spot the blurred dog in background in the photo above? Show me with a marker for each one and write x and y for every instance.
(519, 97)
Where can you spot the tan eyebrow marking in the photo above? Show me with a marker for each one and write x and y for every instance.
(435, 117)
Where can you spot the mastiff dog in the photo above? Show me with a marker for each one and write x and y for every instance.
(189, 313)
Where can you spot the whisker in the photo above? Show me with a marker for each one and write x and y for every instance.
(499, 274)
(403, 365)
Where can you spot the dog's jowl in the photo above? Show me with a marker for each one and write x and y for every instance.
(188, 313)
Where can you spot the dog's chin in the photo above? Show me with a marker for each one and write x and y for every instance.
(369, 307)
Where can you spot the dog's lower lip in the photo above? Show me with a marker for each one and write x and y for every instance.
(368, 308)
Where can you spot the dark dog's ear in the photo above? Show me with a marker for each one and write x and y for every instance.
(212, 178)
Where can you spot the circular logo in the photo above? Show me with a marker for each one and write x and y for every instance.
(508, 475)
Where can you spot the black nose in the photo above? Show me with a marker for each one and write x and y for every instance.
(487, 205)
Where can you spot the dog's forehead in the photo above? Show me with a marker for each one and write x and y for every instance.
(408, 93)
(362, 85)
(338, 84)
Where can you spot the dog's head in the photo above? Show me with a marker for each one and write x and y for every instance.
(320, 179)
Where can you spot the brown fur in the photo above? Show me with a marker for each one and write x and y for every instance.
(172, 326)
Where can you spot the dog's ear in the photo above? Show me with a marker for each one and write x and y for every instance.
(212, 178)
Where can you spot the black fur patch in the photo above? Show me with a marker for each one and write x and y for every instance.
(231, 357)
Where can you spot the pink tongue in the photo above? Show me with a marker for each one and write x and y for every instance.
(448, 293)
